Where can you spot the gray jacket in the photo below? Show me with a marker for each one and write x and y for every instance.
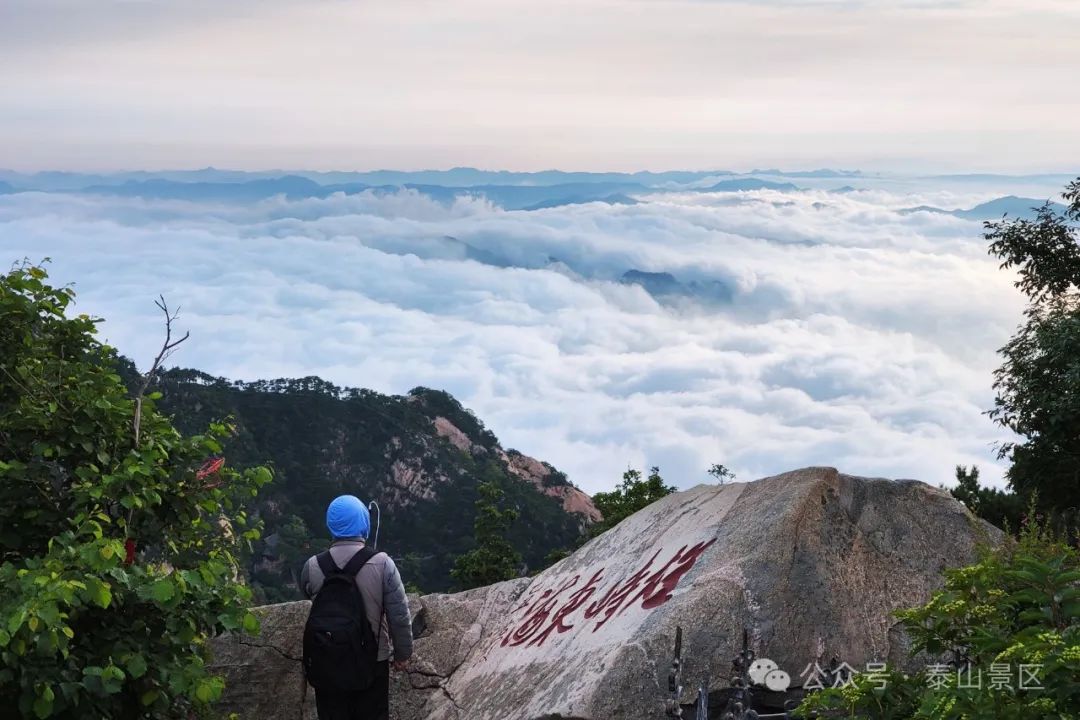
(380, 586)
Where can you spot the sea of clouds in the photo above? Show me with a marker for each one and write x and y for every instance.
(845, 332)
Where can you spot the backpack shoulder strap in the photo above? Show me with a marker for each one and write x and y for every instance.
(326, 564)
(358, 561)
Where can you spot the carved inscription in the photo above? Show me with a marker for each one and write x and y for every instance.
(560, 608)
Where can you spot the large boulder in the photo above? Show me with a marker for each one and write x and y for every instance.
(262, 674)
(812, 563)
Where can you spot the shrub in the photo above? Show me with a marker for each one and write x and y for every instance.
(1018, 606)
(118, 558)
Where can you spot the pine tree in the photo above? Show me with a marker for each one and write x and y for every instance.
(493, 559)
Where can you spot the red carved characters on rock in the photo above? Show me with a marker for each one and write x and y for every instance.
(661, 584)
(536, 615)
(613, 599)
(532, 631)
(551, 611)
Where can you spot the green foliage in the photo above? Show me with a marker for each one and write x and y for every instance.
(284, 553)
(1038, 384)
(494, 558)
(1001, 509)
(1044, 250)
(887, 696)
(631, 495)
(555, 556)
(721, 473)
(83, 631)
(1020, 604)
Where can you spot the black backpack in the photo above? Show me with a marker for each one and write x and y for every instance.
(340, 649)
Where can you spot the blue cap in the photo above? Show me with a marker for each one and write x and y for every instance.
(347, 517)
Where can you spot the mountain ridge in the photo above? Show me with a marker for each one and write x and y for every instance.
(1021, 207)
(420, 456)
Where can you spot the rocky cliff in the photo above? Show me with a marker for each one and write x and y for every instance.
(812, 563)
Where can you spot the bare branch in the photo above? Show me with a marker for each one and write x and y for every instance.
(167, 349)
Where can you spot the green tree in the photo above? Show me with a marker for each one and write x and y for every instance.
(275, 574)
(117, 554)
(555, 556)
(631, 495)
(1038, 384)
(493, 559)
(721, 473)
(999, 508)
(1019, 605)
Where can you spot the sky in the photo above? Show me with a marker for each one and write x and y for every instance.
(912, 85)
(848, 332)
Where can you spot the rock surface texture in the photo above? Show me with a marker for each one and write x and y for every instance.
(262, 673)
(812, 563)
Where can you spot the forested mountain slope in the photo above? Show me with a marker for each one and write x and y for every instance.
(420, 456)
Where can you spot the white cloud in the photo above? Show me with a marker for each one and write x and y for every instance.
(856, 337)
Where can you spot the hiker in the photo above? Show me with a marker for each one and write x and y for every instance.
(347, 648)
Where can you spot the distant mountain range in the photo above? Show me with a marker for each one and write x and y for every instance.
(665, 286)
(747, 184)
(823, 173)
(456, 177)
(1011, 205)
(616, 199)
(508, 197)
(508, 190)
(295, 187)
(1050, 178)
(53, 181)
